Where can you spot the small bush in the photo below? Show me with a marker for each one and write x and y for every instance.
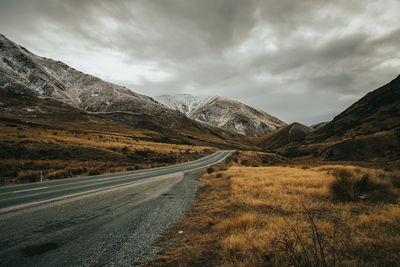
(245, 162)
(347, 187)
(29, 178)
(343, 173)
(308, 248)
(94, 171)
(222, 168)
(395, 179)
(240, 223)
(9, 173)
(77, 171)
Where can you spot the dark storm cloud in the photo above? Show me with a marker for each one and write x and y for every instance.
(298, 60)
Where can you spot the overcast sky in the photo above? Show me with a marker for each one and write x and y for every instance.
(302, 61)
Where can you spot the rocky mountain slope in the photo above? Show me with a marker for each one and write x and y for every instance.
(24, 73)
(184, 103)
(319, 125)
(224, 113)
(368, 130)
(377, 111)
(293, 132)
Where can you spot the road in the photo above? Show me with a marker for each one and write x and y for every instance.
(104, 220)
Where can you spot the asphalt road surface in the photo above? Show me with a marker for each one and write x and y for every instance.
(104, 220)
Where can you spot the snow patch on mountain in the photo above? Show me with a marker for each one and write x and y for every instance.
(224, 113)
(23, 72)
(184, 103)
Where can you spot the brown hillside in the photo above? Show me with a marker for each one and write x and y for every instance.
(291, 133)
(377, 111)
(367, 130)
(42, 136)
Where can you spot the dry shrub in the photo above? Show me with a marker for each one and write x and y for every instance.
(77, 171)
(256, 218)
(222, 167)
(343, 173)
(116, 169)
(29, 177)
(240, 223)
(350, 187)
(395, 179)
(66, 153)
(210, 170)
(234, 243)
(95, 171)
(308, 248)
(67, 172)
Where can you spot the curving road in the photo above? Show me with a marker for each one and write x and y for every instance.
(104, 220)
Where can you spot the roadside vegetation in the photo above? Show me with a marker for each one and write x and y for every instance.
(331, 215)
(28, 153)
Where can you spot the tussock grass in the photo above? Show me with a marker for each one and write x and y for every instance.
(349, 186)
(285, 216)
(28, 152)
(395, 179)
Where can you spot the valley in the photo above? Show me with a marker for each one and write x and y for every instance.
(243, 188)
(288, 215)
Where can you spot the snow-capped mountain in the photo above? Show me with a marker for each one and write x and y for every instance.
(184, 103)
(224, 113)
(26, 73)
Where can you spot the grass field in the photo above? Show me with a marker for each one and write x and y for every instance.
(43, 138)
(290, 216)
(27, 152)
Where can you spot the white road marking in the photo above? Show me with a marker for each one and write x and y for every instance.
(103, 190)
(93, 179)
(110, 188)
(25, 190)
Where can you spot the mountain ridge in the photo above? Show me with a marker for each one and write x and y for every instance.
(223, 112)
(23, 72)
(369, 129)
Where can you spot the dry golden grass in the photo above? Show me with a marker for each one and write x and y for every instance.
(26, 151)
(256, 159)
(283, 216)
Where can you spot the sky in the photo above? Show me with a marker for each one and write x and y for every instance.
(303, 61)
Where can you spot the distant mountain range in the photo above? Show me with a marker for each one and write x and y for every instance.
(26, 73)
(293, 132)
(224, 113)
(368, 129)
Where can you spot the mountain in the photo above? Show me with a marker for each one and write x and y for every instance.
(293, 132)
(319, 125)
(377, 111)
(24, 73)
(184, 103)
(224, 113)
(367, 130)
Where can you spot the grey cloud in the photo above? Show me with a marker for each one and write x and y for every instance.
(327, 53)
